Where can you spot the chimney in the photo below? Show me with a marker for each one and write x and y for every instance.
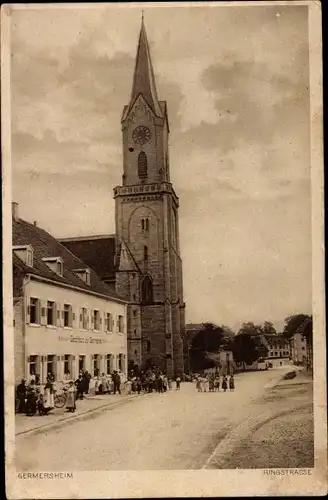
(35, 223)
(14, 211)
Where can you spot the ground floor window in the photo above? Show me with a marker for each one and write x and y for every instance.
(120, 362)
(67, 364)
(81, 363)
(51, 365)
(96, 364)
(32, 365)
(108, 363)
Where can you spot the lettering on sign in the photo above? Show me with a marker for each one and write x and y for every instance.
(82, 340)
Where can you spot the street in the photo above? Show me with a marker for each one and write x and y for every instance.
(176, 430)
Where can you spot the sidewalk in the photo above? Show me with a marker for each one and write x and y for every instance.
(278, 432)
(59, 416)
(302, 377)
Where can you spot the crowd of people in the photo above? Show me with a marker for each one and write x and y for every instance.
(34, 398)
(152, 380)
(215, 382)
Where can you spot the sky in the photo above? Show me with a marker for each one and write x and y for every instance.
(236, 81)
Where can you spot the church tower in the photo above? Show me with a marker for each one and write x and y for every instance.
(149, 266)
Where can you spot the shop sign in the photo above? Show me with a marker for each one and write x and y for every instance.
(82, 340)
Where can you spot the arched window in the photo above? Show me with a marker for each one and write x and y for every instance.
(147, 291)
(145, 253)
(148, 345)
(147, 225)
(142, 165)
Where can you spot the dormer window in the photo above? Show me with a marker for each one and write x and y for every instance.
(84, 275)
(25, 253)
(55, 264)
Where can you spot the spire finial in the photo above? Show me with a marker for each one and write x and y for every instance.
(142, 16)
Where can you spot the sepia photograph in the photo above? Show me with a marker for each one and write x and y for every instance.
(163, 264)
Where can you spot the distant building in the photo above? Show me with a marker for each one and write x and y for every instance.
(65, 318)
(298, 349)
(277, 345)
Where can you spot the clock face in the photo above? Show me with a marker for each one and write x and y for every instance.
(141, 135)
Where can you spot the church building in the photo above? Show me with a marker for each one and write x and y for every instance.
(142, 261)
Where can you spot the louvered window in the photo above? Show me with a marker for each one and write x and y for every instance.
(142, 165)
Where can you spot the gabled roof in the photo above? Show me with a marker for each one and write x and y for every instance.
(305, 326)
(45, 245)
(143, 78)
(98, 252)
(276, 339)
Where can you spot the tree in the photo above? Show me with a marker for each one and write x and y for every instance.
(306, 329)
(268, 328)
(293, 323)
(208, 340)
(251, 329)
(227, 331)
(244, 349)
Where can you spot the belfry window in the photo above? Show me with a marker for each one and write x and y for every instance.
(147, 291)
(145, 225)
(142, 165)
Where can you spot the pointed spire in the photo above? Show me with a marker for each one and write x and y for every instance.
(144, 79)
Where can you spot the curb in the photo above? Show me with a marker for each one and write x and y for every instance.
(237, 434)
(61, 422)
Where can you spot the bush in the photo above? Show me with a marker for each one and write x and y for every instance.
(289, 375)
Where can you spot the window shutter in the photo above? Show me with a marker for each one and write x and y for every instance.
(70, 316)
(100, 321)
(81, 318)
(54, 314)
(92, 319)
(111, 321)
(43, 312)
(28, 310)
(39, 312)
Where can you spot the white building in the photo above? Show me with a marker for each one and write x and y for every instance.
(298, 349)
(65, 318)
(277, 345)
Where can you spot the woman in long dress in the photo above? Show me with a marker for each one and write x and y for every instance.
(71, 398)
(232, 383)
(224, 383)
(49, 393)
(47, 400)
(104, 383)
(31, 399)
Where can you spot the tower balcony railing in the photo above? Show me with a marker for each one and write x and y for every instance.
(145, 189)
